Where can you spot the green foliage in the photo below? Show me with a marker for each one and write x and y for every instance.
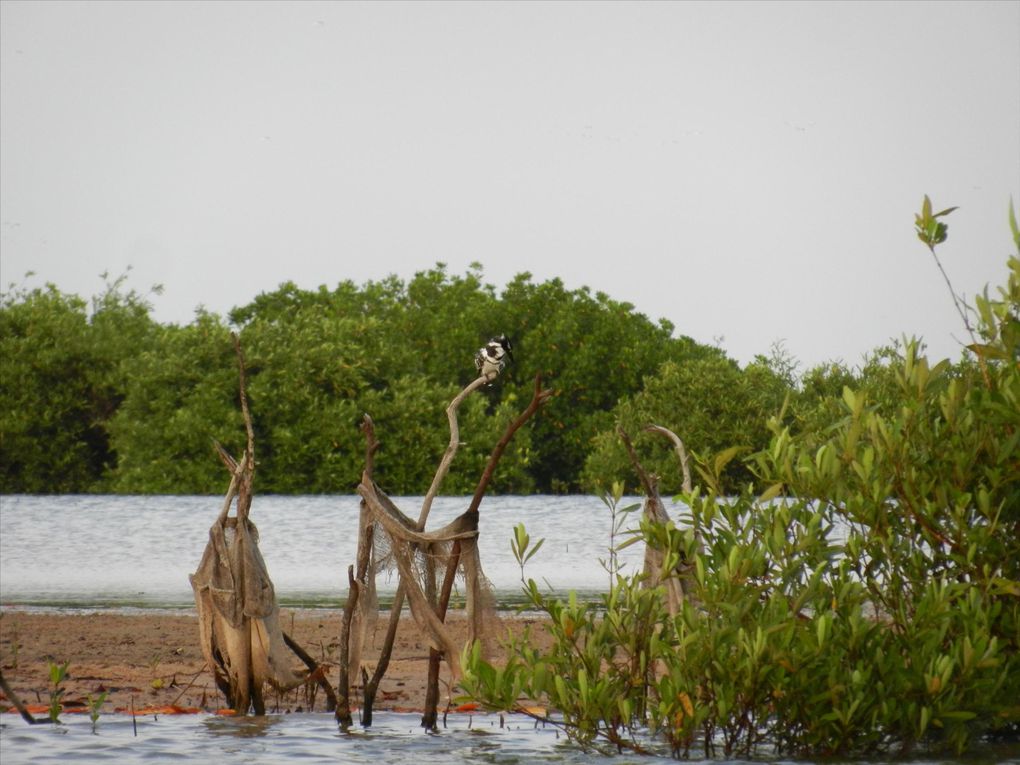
(618, 517)
(181, 393)
(596, 673)
(58, 673)
(788, 644)
(62, 380)
(709, 402)
(101, 398)
(95, 706)
(592, 350)
(111, 401)
(521, 547)
(867, 601)
(306, 370)
(930, 229)
(999, 319)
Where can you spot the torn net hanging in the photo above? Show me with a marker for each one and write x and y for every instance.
(417, 556)
(241, 636)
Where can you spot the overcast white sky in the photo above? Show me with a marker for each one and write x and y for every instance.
(747, 171)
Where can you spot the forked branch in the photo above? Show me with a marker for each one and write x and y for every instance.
(540, 397)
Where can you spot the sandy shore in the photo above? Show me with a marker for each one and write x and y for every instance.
(152, 660)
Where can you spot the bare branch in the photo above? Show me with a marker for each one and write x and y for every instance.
(540, 397)
(243, 373)
(681, 453)
(648, 481)
(18, 704)
(451, 449)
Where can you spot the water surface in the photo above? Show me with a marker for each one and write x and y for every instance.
(117, 551)
(299, 738)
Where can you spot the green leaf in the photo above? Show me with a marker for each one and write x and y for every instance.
(535, 549)
(770, 493)
(723, 458)
(1013, 226)
(958, 715)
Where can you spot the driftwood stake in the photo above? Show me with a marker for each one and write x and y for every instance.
(430, 717)
(343, 708)
(239, 625)
(351, 659)
(371, 687)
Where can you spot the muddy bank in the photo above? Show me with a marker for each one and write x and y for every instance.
(154, 659)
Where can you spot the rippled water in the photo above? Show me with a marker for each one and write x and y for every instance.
(315, 738)
(83, 551)
(125, 552)
(304, 738)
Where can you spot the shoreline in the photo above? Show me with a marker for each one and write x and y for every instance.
(153, 661)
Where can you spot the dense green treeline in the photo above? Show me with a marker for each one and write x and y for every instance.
(97, 396)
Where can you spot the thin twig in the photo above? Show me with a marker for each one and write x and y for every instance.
(190, 683)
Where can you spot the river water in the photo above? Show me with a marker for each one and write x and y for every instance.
(306, 739)
(126, 553)
(117, 551)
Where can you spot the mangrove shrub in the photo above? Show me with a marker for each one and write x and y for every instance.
(866, 601)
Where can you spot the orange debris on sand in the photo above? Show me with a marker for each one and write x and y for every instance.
(168, 709)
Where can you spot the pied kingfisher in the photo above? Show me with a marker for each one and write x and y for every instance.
(490, 359)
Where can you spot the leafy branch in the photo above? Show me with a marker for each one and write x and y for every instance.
(931, 231)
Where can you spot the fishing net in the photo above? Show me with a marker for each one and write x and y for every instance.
(239, 626)
(416, 557)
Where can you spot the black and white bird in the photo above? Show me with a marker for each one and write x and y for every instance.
(493, 356)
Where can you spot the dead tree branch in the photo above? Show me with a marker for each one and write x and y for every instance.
(451, 448)
(316, 671)
(239, 626)
(539, 398)
(351, 656)
(371, 686)
(681, 453)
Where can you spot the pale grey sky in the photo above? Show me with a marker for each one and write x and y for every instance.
(748, 171)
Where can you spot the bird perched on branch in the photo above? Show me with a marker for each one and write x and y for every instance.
(492, 357)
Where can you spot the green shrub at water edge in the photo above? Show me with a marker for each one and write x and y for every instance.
(868, 601)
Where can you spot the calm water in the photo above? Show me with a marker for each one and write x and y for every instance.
(88, 551)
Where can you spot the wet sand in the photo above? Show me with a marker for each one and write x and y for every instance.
(152, 660)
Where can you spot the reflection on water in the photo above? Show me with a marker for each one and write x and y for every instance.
(241, 727)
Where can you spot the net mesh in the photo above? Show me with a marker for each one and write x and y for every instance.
(420, 560)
